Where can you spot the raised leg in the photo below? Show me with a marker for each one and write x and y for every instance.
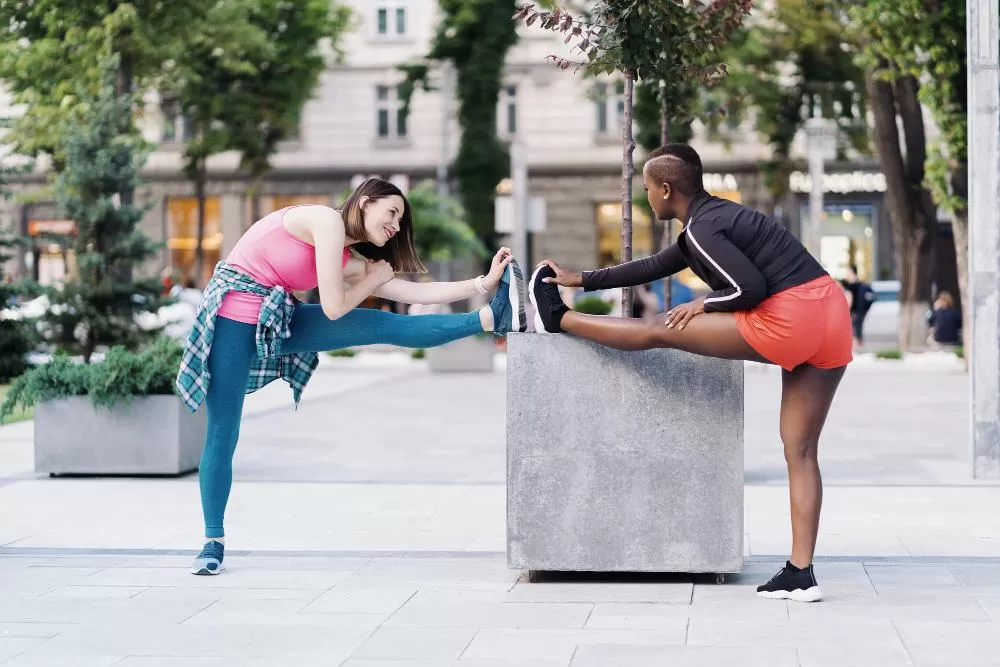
(708, 334)
(806, 395)
(313, 331)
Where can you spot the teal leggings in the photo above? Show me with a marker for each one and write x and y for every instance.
(233, 352)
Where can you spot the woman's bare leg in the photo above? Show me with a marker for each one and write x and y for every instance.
(708, 334)
(806, 395)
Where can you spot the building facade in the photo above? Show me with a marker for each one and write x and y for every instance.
(569, 127)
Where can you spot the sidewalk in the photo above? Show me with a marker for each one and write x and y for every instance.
(367, 529)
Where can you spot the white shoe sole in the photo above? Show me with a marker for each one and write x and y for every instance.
(515, 294)
(813, 594)
(539, 325)
(204, 571)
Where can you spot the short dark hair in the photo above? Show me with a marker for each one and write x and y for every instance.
(683, 166)
(399, 251)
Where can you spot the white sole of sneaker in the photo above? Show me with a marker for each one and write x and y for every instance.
(206, 572)
(515, 293)
(813, 594)
(539, 325)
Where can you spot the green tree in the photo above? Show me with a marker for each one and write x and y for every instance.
(101, 161)
(51, 53)
(217, 59)
(439, 228)
(268, 101)
(792, 63)
(645, 40)
(474, 36)
(15, 336)
(915, 51)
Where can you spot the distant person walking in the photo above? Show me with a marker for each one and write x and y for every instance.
(862, 298)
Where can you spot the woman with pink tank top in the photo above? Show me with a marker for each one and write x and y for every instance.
(250, 331)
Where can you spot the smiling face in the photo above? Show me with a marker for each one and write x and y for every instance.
(379, 224)
(382, 217)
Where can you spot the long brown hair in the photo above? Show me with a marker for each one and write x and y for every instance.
(399, 251)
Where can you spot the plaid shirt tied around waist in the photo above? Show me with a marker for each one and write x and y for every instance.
(273, 326)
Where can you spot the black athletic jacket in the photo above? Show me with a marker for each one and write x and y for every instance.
(743, 255)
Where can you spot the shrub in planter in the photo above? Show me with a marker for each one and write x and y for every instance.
(592, 305)
(120, 377)
(117, 416)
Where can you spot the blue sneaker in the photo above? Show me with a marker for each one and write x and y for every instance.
(508, 303)
(209, 561)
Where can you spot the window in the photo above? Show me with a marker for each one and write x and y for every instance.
(610, 107)
(390, 123)
(176, 126)
(182, 215)
(390, 20)
(507, 115)
(609, 233)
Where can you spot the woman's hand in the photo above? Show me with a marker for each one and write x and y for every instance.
(564, 277)
(500, 262)
(680, 315)
(379, 272)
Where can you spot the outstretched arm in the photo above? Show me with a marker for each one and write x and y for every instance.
(407, 291)
(637, 272)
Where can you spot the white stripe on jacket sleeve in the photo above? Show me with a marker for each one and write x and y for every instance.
(730, 297)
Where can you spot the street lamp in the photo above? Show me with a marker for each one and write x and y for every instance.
(821, 145)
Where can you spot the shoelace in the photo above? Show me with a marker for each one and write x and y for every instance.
(214, 550)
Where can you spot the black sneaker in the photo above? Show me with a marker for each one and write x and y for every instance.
(790, 583)
(209, 561)
(549, 306)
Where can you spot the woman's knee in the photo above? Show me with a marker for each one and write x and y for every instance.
(799, 449)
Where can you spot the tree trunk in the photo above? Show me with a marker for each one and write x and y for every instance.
(201, 177)
(628, 175)
(255, 203)
(123, 86)
(664, 125)
(911, 210)
(667, 225)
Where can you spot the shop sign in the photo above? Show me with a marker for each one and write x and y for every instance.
(840, 183)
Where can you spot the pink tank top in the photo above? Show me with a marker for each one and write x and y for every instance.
(271, 255)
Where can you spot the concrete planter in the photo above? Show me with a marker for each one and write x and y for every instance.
(622, 461)
(152, 435)
(474, 354)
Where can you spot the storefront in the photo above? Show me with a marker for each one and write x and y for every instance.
(854, 225)
(608, 216)
(182, 228)
(49, 258)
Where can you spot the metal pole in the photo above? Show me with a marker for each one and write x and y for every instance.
(815, 151)
(984, 222)
(519, 179)
(445, 156)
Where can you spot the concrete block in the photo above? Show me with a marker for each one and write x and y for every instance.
(622, 461)
(474, 353)
(152, 435)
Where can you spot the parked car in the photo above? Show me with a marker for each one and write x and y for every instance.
(882, 322)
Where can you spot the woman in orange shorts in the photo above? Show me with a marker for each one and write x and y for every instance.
(771, 301)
